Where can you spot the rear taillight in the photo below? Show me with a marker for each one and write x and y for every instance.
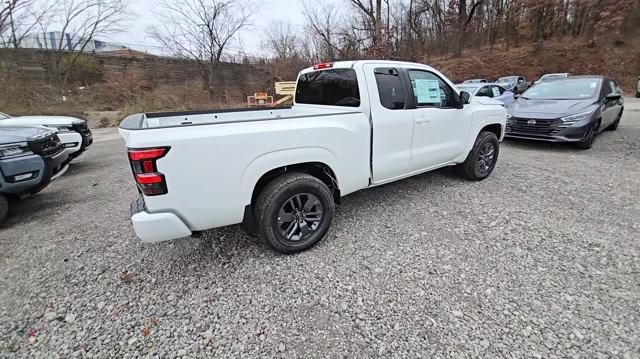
(145, 171)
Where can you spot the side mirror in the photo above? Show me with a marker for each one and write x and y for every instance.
(465, 97)
(613, 97)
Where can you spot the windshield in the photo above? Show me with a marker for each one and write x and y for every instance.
(570, 89)
(507, 80)
(552, 76)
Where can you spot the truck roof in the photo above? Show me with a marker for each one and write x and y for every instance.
(352, 64)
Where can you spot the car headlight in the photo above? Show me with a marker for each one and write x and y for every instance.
(14, 150)
(570, 120)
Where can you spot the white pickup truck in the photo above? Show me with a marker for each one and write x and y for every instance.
(280, 172)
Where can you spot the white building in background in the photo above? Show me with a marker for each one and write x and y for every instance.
(51, 40)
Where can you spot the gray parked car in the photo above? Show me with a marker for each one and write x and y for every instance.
(30, 158)
(573, 109)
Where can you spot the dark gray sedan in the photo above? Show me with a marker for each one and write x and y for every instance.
(574, 109)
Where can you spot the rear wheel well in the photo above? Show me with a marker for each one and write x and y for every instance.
(495, 128)
(316, 169)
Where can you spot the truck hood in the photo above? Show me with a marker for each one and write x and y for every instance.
(40, 120)
(549, 108)
(11, 134)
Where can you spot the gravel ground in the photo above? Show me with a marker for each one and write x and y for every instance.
(540, 260)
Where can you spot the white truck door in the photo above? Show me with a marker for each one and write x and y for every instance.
(441, 129)
(392, 124)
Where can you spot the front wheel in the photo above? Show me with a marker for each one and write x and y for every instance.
(293, 212)
(4, 208)
(614, 126)
(589, 137)
(482, 159)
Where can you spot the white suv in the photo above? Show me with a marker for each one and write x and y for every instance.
(73, 132)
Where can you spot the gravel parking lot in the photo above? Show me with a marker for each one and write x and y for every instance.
(540, 260)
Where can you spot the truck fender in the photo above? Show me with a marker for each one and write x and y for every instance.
(281, 158)
(475, 131)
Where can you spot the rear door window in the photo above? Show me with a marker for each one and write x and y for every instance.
(334, 87)
(390, 88)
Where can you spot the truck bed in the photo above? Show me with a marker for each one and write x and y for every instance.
(152, 120)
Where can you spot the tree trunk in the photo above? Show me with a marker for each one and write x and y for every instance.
(378, 24)
(462, 16)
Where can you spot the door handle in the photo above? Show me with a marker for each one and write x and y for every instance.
(420, 120)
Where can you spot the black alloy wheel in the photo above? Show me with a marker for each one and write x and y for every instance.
(299, 217)
(486, 157)
(589, 137)
(294, 212)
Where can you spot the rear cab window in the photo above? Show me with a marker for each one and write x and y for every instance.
(331, 87)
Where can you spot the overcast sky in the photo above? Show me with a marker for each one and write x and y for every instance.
(270, 10)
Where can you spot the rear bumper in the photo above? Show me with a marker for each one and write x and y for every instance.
(156, 227)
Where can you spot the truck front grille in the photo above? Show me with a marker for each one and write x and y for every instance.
(48, 146)
(82, 128)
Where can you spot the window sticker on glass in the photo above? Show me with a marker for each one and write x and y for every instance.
(496, 91)
(427, 91)
(593, 85)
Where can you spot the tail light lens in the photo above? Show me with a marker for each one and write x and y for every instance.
(145, 171)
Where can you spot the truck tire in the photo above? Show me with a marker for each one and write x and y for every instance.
(293, 212)
(482, 158)
(4, 208)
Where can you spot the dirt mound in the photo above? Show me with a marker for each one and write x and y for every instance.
(618, 60)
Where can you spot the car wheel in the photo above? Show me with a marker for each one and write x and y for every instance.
(614, 126)
(4, 208)
(589, 137)
(293, 212)
(482, 159)
(638, 94)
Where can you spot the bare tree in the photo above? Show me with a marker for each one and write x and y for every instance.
(286, 49)
(281, 40)
(78, 23)
(324, 25)
(464, 19)
(372, 18)
(17, 19)
(201, 30)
